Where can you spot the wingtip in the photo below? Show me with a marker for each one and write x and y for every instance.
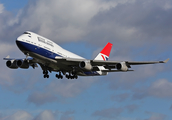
(6, 57)
(165, 61)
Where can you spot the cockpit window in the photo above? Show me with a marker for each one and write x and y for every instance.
(26, 33)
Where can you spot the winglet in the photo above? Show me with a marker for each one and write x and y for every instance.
(165, 61)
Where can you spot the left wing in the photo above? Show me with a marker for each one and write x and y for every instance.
(20, 63)
(100, 62)
(123, 65)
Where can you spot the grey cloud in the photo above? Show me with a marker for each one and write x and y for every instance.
(114, 113)
(156, 116)
(136, 23)
(68, 88)
(40, 98)
(45, 115)
(132, 26)
(58, 91)
(67, 115)
(19, 115)
(127, 80)
(171, 107)
(108, 113)
(120, 97)
(160, 89)
(1, 8)
(131, 108)
(65, 21)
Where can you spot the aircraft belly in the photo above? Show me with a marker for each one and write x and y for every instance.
(27, 47)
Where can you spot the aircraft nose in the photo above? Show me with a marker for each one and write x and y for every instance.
(19, 39)
(20, 44)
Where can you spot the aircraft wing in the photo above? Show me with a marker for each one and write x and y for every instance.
(23, 63)
(122, 65)
(108, 65)
(100, 62)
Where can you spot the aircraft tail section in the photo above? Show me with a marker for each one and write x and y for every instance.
(104, 54)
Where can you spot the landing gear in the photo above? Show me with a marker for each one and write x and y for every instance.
(45, 72)
(71, 76)
(68, 76)
(46, 76)
(59, 76)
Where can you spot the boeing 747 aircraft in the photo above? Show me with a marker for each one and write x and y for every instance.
(52, 57)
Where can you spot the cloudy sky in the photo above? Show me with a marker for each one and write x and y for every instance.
(138, 29)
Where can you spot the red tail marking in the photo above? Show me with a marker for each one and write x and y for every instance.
(106, 50)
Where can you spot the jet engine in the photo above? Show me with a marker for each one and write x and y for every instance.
(122, 66)
(23, 64)
(85, 65)
(11, 64)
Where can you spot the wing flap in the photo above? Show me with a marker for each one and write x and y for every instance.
(115, 70)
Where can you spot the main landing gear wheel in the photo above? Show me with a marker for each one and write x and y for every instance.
(59, 76)
(45, 72)
(71, 77)
(46, 76)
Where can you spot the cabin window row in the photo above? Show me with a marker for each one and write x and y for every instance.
(43, 41)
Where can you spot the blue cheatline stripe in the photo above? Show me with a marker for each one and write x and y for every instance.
(91, 73)
(36, 49)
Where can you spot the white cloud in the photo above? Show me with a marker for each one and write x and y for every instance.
(37, 115)
(58, 91)
(66, 20)
(45, 115)
(156, 116)
(5, 77)
(161, 88)
(72, 88)
(108, 113)
(19, 115)
(1, 8)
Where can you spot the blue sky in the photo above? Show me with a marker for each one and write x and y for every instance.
(138, 29)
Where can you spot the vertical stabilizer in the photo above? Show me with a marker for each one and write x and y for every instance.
(104, 54)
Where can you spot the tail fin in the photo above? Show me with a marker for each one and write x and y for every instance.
(104, 54)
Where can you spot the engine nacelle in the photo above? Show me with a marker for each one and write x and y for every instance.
(122, 66)
(85, 65)
(23, 64)
(11, 64)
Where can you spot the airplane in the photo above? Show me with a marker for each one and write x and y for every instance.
(51, 57)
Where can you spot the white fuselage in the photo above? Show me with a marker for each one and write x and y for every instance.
(44, 43)
(47, 52)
